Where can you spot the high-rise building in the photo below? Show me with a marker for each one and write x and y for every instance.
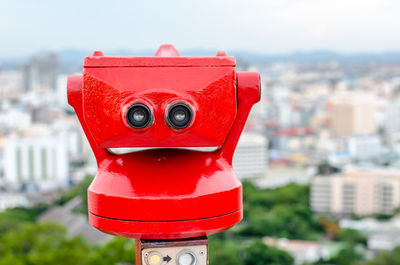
(356, 191)
(391, 122)
(251, 156)
(40, 73)
(352, 113)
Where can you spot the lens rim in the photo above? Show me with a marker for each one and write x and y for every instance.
(168, 117)
(149, 112)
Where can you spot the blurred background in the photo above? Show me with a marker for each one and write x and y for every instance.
(319, 158)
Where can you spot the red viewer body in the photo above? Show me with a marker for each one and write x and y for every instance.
(183, 117)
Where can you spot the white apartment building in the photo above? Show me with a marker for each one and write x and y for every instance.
(363, 147)
(38, 160)
(356, 191)
(12, 200)
(341, 151)
(301, 251)
(10, 81)
(78, 147)
(251, 156)
(384, 241)
(13, 118)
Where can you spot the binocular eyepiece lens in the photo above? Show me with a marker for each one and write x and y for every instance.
(179, 116)
(139, 116)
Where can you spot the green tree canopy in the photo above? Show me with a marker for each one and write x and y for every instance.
(223, 252)
(41, 244)
(47, 244)
(260, 254)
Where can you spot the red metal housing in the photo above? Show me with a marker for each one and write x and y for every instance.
(164, 192)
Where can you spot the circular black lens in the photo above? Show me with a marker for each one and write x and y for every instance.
(139, 116)
(179, 116)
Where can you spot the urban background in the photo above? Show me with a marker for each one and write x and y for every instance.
(319, 158)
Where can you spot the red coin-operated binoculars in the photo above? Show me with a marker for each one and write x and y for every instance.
(164, 130)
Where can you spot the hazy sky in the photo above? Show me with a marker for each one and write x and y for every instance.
(268, 26)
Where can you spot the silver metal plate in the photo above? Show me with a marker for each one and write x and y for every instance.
(170, 254)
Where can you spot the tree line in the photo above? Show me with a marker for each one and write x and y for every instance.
(282, 212)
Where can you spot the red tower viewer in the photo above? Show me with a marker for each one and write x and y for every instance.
(163, 130)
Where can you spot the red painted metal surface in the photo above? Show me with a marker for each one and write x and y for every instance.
(164, 192)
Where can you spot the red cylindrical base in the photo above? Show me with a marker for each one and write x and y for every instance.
(165, 194)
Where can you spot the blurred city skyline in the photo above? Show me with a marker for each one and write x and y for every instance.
(269, 27)
(319, 157)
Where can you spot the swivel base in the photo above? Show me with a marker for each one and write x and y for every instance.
(165, 229)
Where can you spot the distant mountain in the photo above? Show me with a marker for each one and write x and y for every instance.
(320, 57)
(329, 56)
(72, 59)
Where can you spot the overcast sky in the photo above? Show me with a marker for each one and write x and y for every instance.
(268, 26)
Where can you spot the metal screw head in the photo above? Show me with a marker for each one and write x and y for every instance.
(202, 252)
